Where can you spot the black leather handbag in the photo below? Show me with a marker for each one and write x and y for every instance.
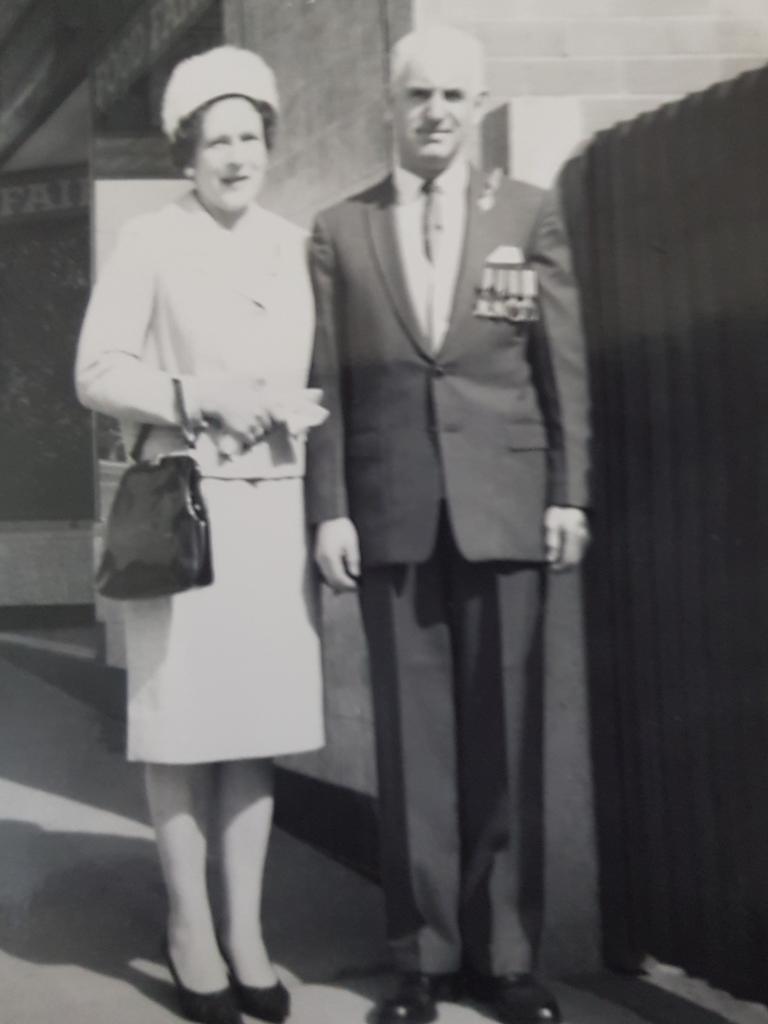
(157, 537)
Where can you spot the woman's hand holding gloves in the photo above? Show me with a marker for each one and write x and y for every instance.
(246, 409)
(236, 405)
(297, 410)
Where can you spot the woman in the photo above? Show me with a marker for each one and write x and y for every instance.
(212, 290)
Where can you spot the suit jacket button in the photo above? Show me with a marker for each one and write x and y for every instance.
(438, 371)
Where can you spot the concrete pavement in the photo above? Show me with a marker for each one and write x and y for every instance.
(82, 905)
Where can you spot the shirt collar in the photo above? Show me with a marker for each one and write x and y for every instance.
(452, 182)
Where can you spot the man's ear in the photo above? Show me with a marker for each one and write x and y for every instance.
(480, 104)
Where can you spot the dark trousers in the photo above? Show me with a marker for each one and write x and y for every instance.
(455, 651)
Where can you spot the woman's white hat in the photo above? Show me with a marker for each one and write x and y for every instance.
(223, 71)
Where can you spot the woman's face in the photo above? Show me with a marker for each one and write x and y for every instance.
(230, 159)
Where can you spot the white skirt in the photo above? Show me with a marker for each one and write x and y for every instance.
(232, 670)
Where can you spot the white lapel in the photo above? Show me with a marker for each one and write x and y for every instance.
(245, 260)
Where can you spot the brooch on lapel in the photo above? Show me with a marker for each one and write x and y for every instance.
(509, 287)
(487, 198)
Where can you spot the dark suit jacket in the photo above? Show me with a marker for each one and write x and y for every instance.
(496, 423)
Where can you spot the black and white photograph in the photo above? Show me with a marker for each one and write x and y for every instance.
(383, 580)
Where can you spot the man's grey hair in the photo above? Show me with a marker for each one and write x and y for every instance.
(466, 50)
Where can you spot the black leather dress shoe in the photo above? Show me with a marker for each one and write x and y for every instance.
(515, 998)
(416, 998)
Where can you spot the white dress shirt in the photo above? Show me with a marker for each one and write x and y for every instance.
(431, 284)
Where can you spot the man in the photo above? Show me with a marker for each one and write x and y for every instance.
(452, 469)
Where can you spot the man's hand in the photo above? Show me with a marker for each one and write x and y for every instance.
(566, 535)
(337, 553)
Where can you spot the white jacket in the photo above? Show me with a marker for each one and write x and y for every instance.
(183, 296)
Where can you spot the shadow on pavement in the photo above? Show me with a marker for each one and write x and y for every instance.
(97, 902)
(64, 747)
(86, 899)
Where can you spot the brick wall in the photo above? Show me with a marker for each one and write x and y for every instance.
(571, 67)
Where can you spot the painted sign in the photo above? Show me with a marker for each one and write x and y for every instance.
(52, 193)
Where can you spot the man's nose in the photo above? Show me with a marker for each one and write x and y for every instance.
(436, 105)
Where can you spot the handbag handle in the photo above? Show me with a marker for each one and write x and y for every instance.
(187, 429)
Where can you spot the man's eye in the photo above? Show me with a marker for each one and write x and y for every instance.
(453, 95)
(419, 94)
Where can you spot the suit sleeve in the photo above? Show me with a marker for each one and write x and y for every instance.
(325, 480)
(560, 359)
(112, 373)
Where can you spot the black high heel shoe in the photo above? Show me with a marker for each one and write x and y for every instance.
(218, 1007)
(272, 1003)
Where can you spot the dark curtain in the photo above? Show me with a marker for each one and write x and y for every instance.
(669, 216)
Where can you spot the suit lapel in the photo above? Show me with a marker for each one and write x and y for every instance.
(381, 223)
(478, 243)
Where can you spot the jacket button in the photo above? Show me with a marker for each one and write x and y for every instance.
(438, 371)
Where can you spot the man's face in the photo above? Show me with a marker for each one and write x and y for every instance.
(434, 105)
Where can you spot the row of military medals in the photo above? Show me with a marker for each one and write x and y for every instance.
(508, 289)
